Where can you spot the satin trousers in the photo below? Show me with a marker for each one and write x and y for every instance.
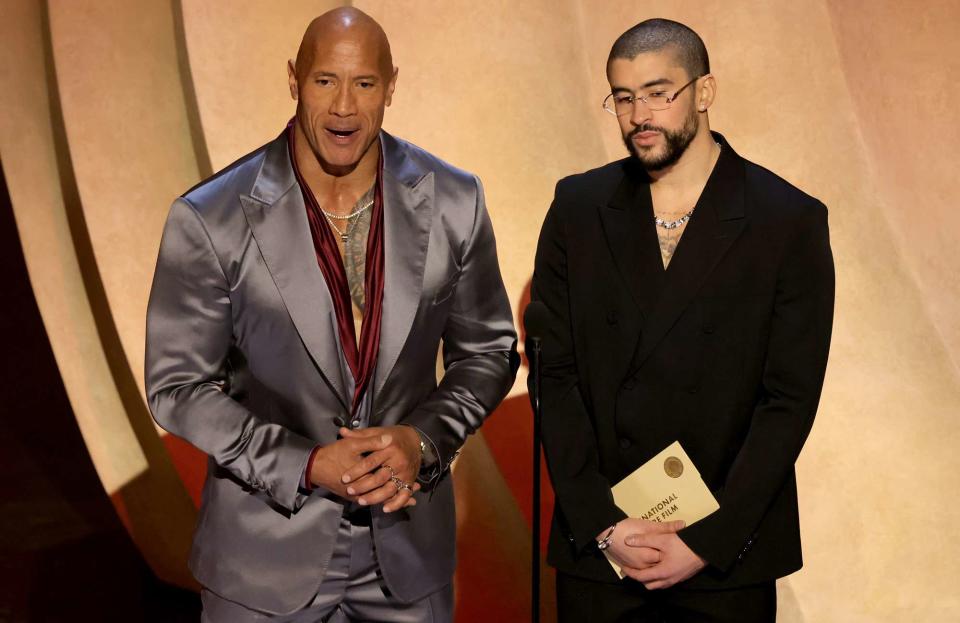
(352, 590)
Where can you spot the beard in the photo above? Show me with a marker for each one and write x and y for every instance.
(677, 142)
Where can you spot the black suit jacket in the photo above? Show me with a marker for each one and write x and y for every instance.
(725, 352)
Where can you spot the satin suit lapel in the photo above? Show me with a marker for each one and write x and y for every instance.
(408, 199)
(277, 217)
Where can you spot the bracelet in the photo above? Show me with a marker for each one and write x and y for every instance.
(427, 456)
(607, 539)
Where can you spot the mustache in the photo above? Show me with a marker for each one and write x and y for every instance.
(646, 127)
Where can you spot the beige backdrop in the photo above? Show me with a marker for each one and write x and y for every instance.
(109, 109)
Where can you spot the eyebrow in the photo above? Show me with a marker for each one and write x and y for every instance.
(656, 83)
(645, 85)
(330, 74)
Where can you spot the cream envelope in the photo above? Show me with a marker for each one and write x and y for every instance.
(665, 488)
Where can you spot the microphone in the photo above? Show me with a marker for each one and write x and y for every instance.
(536, 320)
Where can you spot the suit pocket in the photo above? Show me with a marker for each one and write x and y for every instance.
(446, 290)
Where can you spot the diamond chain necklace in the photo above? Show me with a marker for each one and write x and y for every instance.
(673, 224)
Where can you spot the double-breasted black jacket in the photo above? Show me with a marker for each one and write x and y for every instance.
(724, 351)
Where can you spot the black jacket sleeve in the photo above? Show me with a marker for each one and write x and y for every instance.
(569, 437)
(796, 360)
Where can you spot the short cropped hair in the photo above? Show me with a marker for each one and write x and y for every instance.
(653, 35)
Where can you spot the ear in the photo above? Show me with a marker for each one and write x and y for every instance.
(392, 85)
(292, 79)
(706, 93)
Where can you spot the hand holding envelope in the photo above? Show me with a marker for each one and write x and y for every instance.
(669, 491)
(627, 556)
(677, 561)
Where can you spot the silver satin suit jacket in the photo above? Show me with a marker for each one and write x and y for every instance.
(244, 362)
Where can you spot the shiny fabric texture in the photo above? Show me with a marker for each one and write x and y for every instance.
(362, 360)
(352, 590)
(244, 362)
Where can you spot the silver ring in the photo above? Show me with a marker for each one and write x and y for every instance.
(400, 484)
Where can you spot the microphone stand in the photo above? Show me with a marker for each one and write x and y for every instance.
(535, 536)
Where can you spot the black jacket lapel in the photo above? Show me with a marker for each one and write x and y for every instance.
(718, 220)
(628, 226)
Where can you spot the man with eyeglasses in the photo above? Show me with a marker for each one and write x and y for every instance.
(691, 294)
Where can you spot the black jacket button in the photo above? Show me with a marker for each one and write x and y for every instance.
(625, 443)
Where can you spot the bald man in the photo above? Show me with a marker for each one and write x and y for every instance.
(298, 304)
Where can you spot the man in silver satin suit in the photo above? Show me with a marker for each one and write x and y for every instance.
(298, 304)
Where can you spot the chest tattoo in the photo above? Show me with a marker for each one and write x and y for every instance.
(354, 251)
(355, 257)
(669, 238)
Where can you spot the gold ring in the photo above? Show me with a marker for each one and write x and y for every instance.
(393, 472)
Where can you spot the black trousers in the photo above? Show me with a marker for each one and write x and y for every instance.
(585, 601)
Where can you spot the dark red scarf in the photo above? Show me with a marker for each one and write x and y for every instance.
(361, 362)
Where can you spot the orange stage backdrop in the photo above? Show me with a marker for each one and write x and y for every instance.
(111, 108)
